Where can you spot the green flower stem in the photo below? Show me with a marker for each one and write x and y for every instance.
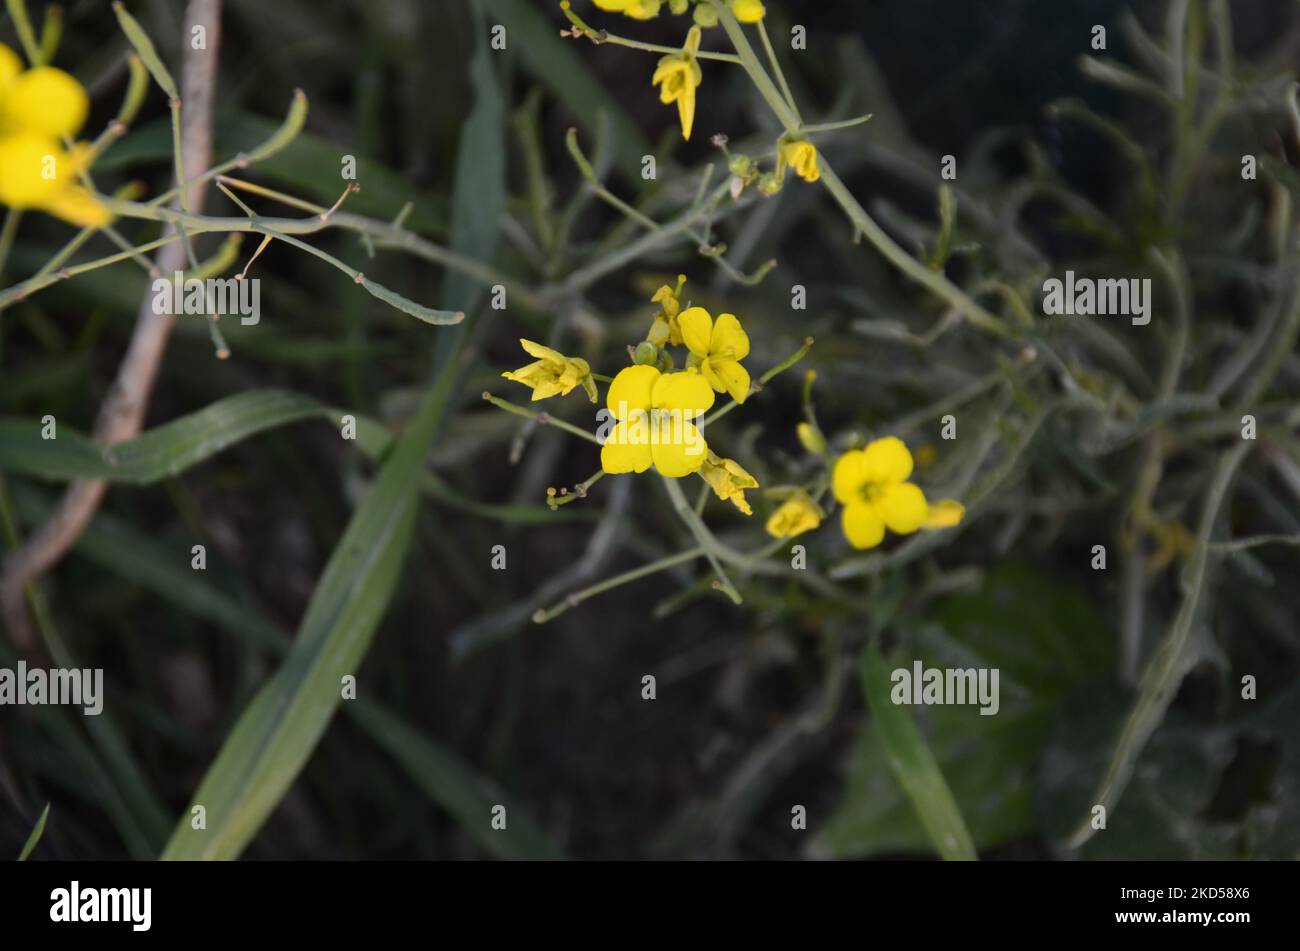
(762, 380)
(541, 616)
(21, 291)
(604, 36)
(7, 232)
(863, 223)
(26, 35)
(776, 69)
(579, 491)
(544, 418)
(712, 549)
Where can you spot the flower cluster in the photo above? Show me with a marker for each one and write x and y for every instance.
(746, 11)
(40, 109)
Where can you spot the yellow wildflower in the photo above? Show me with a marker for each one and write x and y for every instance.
(872, 486)
(636, 9)
(728, 480)
(553, 373)
(797, 514)
(654, 414)
(679, 74)
(717, 349)
(801, 155)
(38, 108)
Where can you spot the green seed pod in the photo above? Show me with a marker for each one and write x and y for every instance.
(646, 354)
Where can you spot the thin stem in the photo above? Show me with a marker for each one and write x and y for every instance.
(763, 380)
(604, 36)
(544, 418)
(835, 126)
(554, 500)
(862, 222)
(541, 616)
(776, 69)
(7, 232)
(702, 535)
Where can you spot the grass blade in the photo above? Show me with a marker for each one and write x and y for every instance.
(913, 763)
(173, 447)
(35, 837)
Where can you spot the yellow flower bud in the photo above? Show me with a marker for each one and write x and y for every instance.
(811, 438)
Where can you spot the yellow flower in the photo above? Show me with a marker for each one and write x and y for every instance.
(38, 108)
(665, 327)
(747, 11)
(679, 74)
(872, 486)
(728, 480)
(36, 173)
(801, 155)
(655, 415)
(797, 514)
(717, 348)
(636, 9)
(45, 100)
(553, 373)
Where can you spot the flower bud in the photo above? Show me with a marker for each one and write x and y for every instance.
(646, 354)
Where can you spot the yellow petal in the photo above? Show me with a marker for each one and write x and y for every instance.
(631, 391)
(627, 448)
(863, 526)
(613, 6)
(46, 100)
(849, 476)
(944, 514)
(796, 515)
(678, 448)
(729, 338)
(77, 206)
(686, 392)
(903, 507)
(686, 109)
(888, 460)
(10, 67)
(540, 351)
(697, 330)
(33, 168)
(734, 378)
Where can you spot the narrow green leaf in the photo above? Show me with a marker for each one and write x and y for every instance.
(451, 782)
(35, 837)
(913, 763)
(277, 733)
(146, 51)
(173, 447)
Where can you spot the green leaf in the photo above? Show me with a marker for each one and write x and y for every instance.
(171, 448)
(457, 787)
(1051, 642)
(37, 831)
(913, 763)
(278, 731)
